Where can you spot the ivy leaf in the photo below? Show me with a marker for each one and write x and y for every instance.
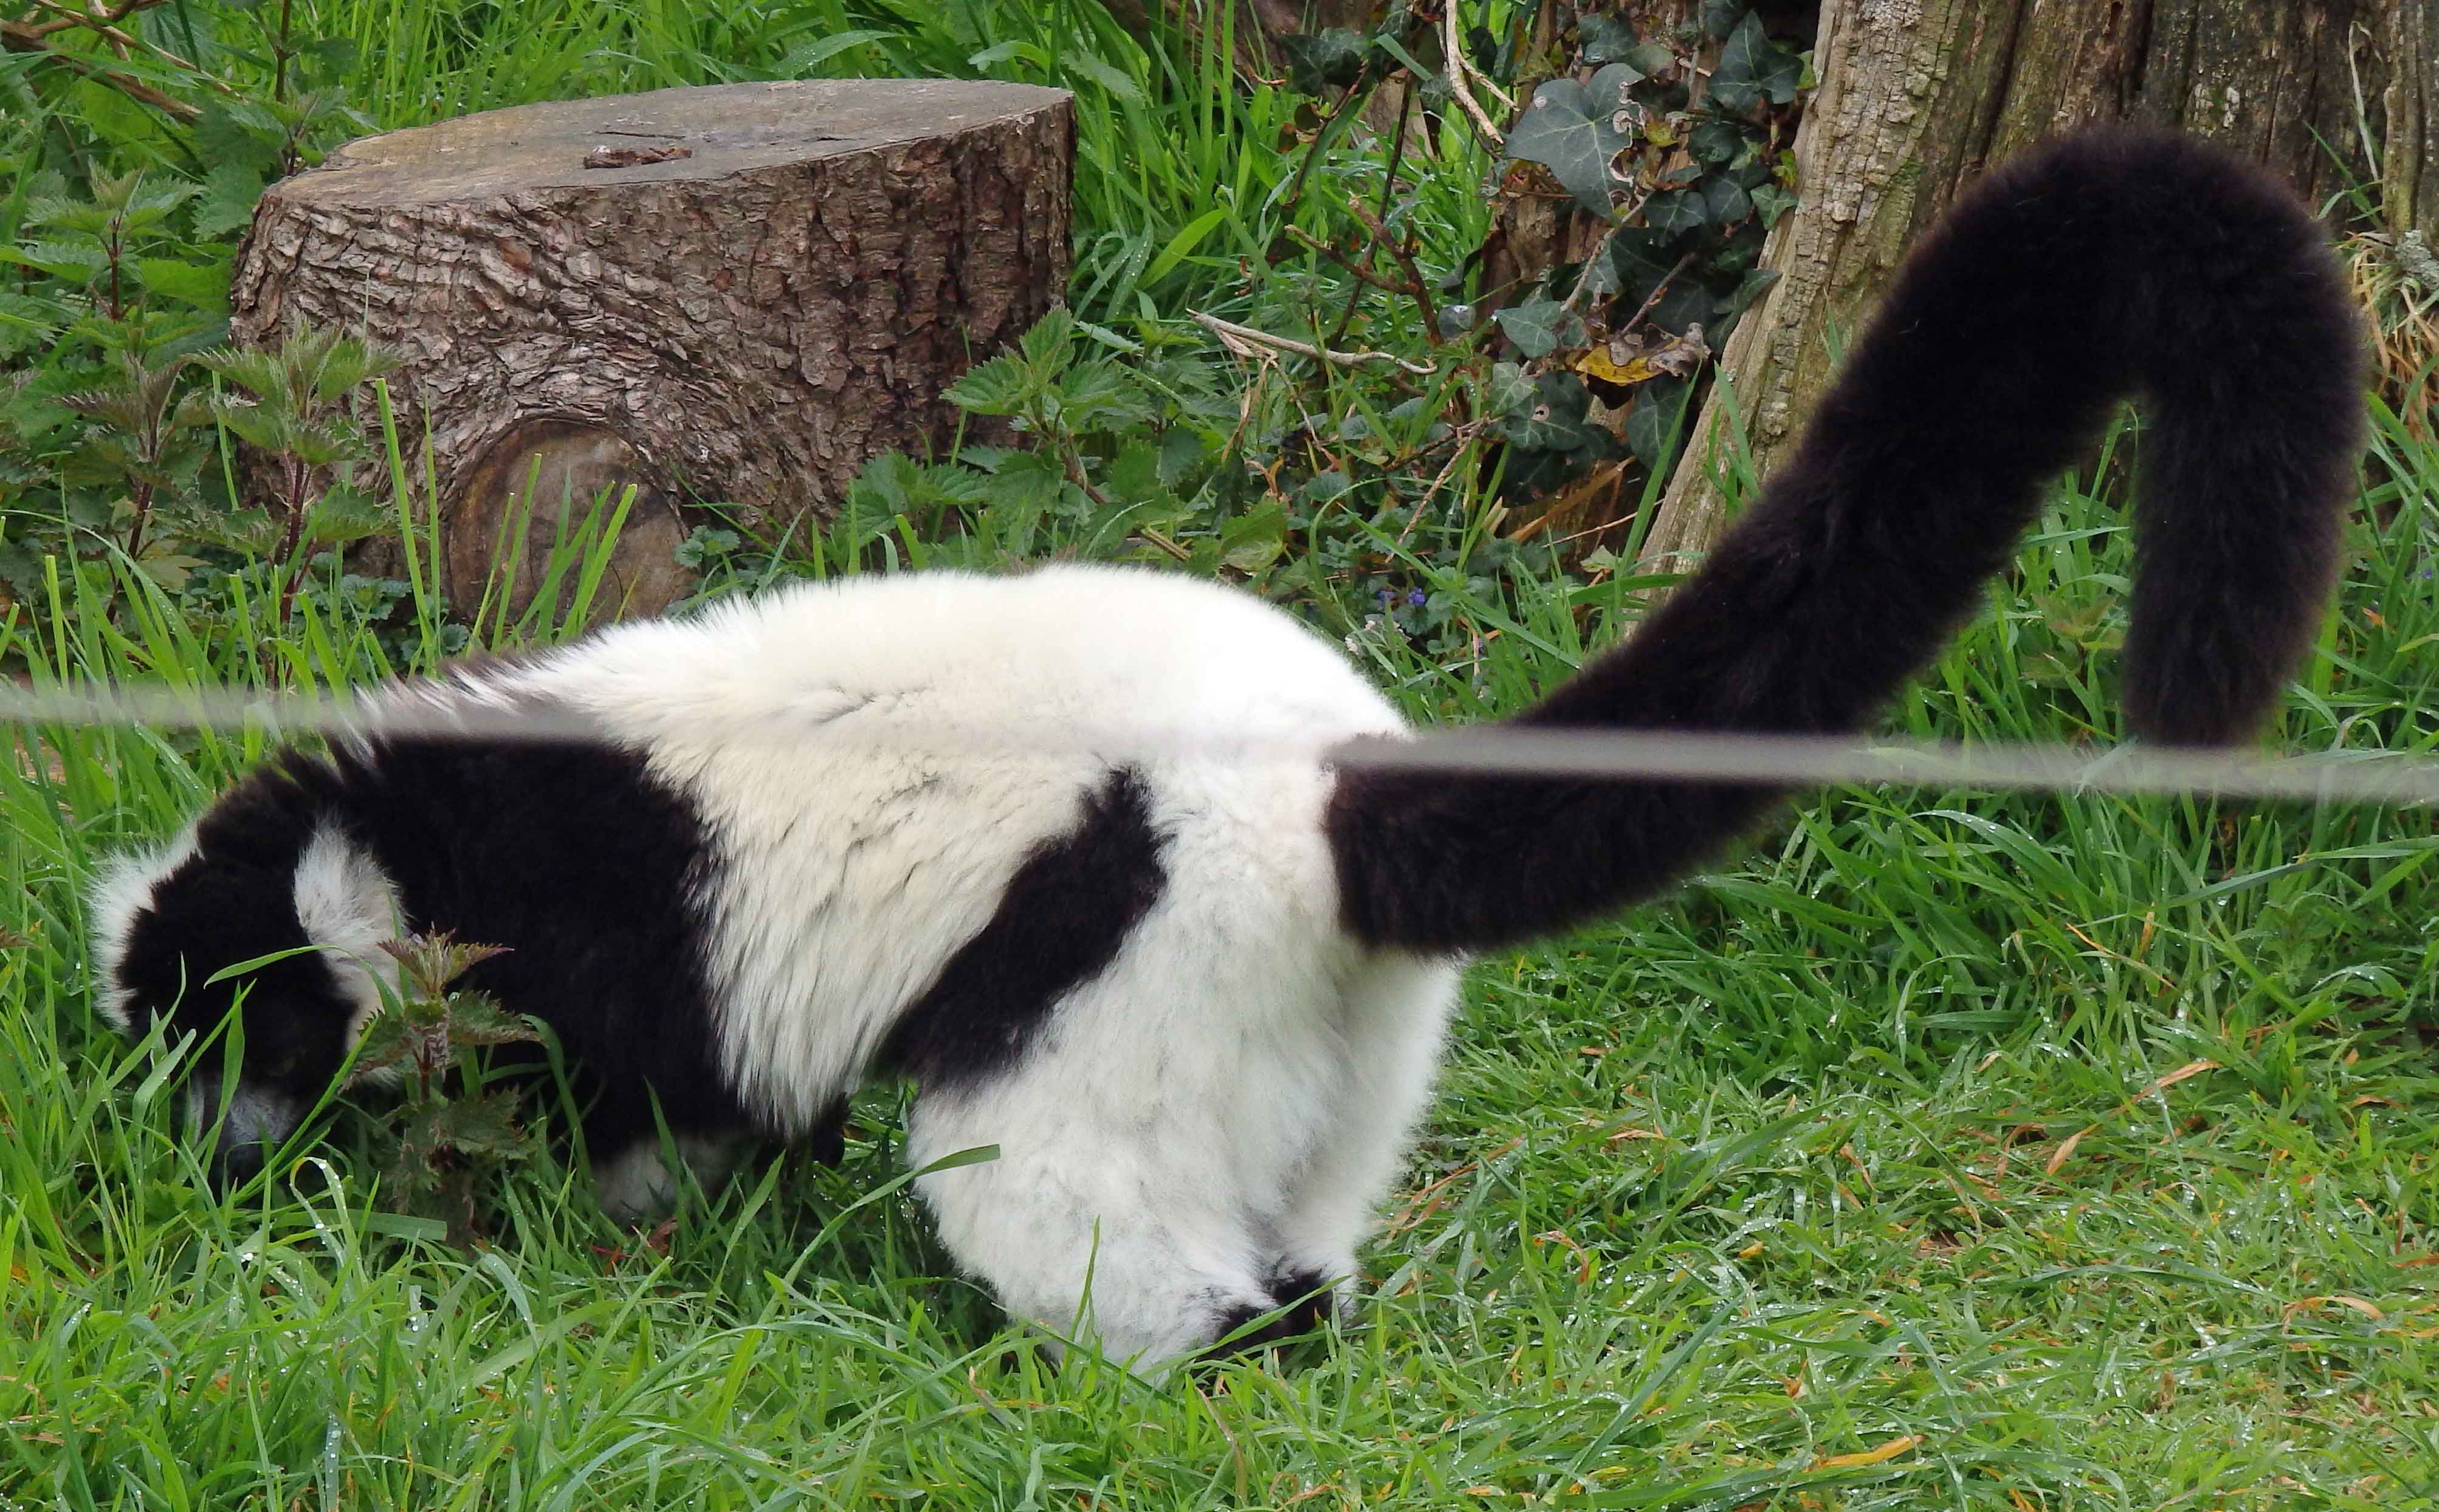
(1575, 131)
(1658, 411)
(1676, 213)
(1605, 38)
(1771, 202)
(1717, 142)
(1755, 283)
(1725, 202)
(1322, 62)
(1556, 420)
(1752, 69)
(1640, 258)
(1652, 58)
(1509, 390)
(1720, 17)
(1540, 327)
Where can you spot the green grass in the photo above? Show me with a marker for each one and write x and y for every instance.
(1875, 1170)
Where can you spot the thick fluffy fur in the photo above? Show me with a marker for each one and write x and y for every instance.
(1194, 994)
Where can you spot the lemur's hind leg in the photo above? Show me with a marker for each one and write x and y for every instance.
(1087, 1223)
(636, 1183)
(1394, 1016)
(1147, 1146)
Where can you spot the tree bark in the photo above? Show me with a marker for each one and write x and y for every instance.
(735, 293)
(1916, 97)
(2409, 107)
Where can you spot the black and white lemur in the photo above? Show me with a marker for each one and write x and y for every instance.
(1197, 999)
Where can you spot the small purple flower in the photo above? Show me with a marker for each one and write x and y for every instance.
(1381, 593)
(1414, 599)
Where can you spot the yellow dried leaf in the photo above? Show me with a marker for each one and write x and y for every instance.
(2191, 1068)
(1870, 1456)
(1596, 363)
(2065, 1151)
(2354, 1303)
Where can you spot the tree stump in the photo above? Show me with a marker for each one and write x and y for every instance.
(731, 294)
(1916, 98)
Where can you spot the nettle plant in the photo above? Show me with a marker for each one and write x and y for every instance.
(116, 248)
(453, 1130)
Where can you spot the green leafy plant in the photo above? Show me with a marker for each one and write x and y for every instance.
(147, 434)
(104, 251)
(1684, 160)
(450, 1134)
(290, 406)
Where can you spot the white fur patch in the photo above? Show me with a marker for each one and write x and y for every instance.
(120, 891)
(348, 906)
(257, 1115)
(637, 1183)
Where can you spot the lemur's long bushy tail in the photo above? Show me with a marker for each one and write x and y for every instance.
(2098, 267)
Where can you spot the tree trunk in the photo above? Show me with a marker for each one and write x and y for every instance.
(2408, 108)
(1915, 99)
(732, 293)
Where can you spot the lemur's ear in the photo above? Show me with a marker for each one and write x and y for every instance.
(348, 906)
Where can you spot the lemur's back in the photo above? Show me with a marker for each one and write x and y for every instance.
(875, 760)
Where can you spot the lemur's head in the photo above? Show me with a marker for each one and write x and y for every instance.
(165, 923)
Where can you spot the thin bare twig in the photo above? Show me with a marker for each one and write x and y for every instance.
(1459, 72)
(1369, 274)
(1236, 338)
(1320, 135)
(100, 24)
(1421, 291)
(1656, 289)
(1366, 274)
(24, 37)
(1388, 192)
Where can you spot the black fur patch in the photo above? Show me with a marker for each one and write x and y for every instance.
(2112, 263)
(234, 900)
(1309, 1303)
(568, 853)
(1065, 913)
